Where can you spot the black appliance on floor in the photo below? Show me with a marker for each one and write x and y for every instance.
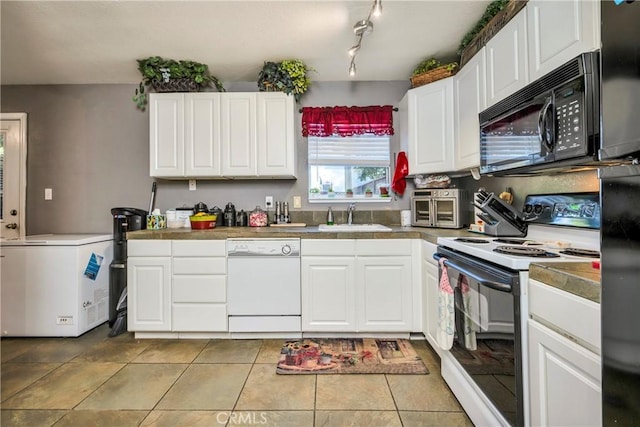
(620, 213)
(124, 219)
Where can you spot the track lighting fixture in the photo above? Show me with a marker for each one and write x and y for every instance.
(360, 29)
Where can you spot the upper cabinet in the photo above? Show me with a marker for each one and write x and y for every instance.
(470, 101)
(427, 127)
(559, 31)
(506, 52)
(212, 135)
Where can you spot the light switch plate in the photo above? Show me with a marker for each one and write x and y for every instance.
(297, 202)
(48, 193)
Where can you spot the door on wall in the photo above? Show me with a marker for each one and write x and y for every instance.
(13, 155)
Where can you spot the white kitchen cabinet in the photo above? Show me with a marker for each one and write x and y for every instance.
(199, 286)
(202, 134)
(239, 138)
(384, 289)
(559, 31)
(213, 135)
(470, 85)
(149, 285)
(275, 134)
(565, 380)
(429, 135)
(507, 63)
(328, 293)
(359, 285)
(166, 133)
(430, 295)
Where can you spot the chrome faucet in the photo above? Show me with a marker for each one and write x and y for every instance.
(350, 210)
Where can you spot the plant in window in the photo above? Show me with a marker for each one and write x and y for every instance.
(349, 192)
(368, 192)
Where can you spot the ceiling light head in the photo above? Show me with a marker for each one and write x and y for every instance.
(363, 27)
(352, 69)
(377, 8)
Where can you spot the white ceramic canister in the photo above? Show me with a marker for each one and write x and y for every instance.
(405, 218)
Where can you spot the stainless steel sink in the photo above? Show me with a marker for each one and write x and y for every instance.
(353, 227)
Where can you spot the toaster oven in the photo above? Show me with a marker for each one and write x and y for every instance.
(441, 208)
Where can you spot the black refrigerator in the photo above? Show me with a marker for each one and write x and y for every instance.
(620, 210)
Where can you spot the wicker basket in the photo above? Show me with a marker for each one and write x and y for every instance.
(491, 29)
(176, 85)
(431, 76)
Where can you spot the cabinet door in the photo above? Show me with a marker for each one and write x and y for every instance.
(430, 127)
(149, 293)
(166, 134)
(328, 294)
(383, 294)
(559, 31)
(565, 380)
(430, 303)
(276, 145)
(202, 134)
(238, 134)
(507, 69)
(470, 101)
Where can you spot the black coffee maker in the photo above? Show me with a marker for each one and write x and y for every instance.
(124, 219)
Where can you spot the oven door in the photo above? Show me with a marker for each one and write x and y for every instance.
(422, 215)
(487, 343)
(446, 212)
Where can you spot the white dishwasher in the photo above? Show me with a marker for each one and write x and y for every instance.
(263, 282)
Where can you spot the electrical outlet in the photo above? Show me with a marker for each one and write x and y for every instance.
(192, 185)
(268, 201)
(297, 202)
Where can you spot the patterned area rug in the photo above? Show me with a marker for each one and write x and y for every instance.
(350, 356)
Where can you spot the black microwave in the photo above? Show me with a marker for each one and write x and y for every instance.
(550, 124)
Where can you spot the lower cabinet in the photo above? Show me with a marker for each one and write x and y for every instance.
(149, 285)
(356, 286)
(430, 294)
(565, 380)
(176, 286)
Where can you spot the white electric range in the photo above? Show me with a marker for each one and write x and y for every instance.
(490, 376)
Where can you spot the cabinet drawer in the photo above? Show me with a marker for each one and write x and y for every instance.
(574, 317)
(200, 265)
(329, 247)
(383, 247)
(199, 289)
(199, 317)
(199, 248)
(149, 247)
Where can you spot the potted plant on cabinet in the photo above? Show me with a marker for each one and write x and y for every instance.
(169, 75)
(288, 76)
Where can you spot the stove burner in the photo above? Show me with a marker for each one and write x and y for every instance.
(581, 252)
(469, 240)
(525, 251)
(524, 242)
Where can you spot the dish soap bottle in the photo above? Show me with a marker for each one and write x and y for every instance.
(329, 217)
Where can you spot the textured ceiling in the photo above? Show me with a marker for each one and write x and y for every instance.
(81, 42)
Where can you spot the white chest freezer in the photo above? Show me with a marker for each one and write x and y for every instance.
(55, 284)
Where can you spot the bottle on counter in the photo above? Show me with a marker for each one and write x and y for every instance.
(329, 216)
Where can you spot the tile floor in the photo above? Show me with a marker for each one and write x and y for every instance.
(95, 380)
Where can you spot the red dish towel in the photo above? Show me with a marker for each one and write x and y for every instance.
(402, 170)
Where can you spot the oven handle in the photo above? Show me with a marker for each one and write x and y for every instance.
(502, 287)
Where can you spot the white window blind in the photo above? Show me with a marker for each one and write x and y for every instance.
(360, 150)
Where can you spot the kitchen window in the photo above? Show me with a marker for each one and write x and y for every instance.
(349, 168)
(348, 152)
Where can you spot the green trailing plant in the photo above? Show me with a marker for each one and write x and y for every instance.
(492, 10)
(156, 70)
(288, 76)
(431, 64)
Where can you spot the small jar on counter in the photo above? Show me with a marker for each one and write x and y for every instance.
(258, 218)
